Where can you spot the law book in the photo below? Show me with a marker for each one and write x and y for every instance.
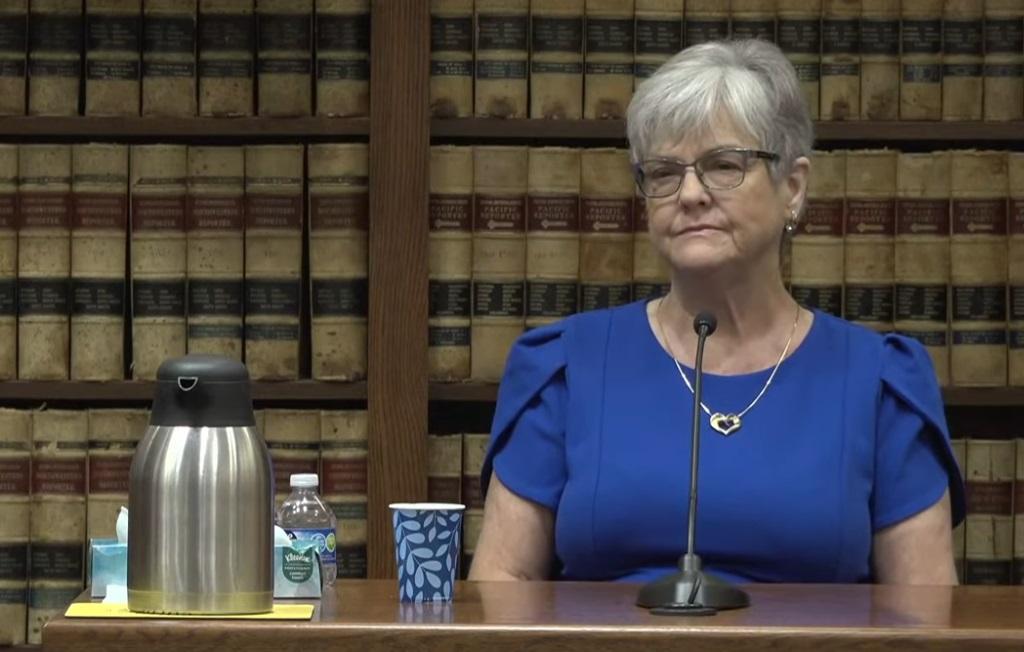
(450, 262)
(13, 56)
(959, 532)
(608, 67)
(451, 58)
(44, 261)
(1018, 515)
(112, 57)
(798, 32)
(989, 525)
(921, 60)
(293, 441)
(215, 236)
(58, 514)
(158, 256)
(606, 228)
(659, 35)
(1003, 87)
(1015, 268)
(868, 245)
(169, 58)
(474, 448)
(500, 76)
(15, 463)
(840, 60)
(499, 257)
(54, 56)
(817, 272)
(9, 218)
(113, 436)
(99, 225)
(753, 19)
(342, 57)
(343, 474)
(962, 59)
(880, 59)
(338, 225)
(284, 58)
(552, 235)
(556, 60)
(226, 47)
(978, 268)
(922, 254)
(705, 20)
(444, 468)
(651, 271)
(273, 260)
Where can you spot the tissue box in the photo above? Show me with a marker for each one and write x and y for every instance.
(296, 568)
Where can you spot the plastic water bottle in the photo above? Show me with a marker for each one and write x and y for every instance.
(305, 517)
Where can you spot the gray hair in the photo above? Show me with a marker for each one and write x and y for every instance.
(751, 80)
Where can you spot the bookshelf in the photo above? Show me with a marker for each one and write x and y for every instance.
(140, 391)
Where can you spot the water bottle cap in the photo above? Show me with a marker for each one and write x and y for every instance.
(304, 480)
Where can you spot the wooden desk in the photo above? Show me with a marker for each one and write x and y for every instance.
(364, 616)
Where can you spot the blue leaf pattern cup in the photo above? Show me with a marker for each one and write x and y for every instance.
(427, 543)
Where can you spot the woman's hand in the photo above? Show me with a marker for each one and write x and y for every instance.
(517, 540)
(918, 550)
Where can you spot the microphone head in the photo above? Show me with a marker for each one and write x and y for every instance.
(704, 321)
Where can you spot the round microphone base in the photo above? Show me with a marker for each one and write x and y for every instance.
(690, 593)
(684, 610)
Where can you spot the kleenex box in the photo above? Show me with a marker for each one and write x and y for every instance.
(296, 568)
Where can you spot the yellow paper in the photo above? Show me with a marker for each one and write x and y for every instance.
(120, 610)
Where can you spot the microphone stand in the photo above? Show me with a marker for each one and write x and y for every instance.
(691, 591)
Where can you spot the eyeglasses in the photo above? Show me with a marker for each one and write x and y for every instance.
(720, 169)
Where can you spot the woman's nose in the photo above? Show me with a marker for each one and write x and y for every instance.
(691, 190)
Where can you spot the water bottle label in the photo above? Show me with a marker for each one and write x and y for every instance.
(326, 542)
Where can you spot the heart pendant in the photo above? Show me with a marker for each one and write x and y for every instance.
(725, 423)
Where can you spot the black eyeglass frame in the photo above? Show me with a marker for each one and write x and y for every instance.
(749, 153)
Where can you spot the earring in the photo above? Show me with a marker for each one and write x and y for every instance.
(791, 223)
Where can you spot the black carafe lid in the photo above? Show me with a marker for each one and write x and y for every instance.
(202, 391)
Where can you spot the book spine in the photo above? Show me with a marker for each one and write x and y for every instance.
(501, 58)
(451, 58)
(169, 58)
(753, 19)
(1015, 269)
(552, 235)
(1018, 515)
(959, 532)
(608, 69)
(226, 43)
(868, 246)
(1004, 61)
(659, 35)
(15, 466)
(962, 60)
(450, 262)
(978, 269)
(705, 20)
(54, 56)
(113, 436)
(343, 57)
(922, 254)
(8, 262)
(880, 59)
(215, 233)
(799, 37)
(158, 256)
(817, 271)
(989, 526)
(56, 563)
(343, 454)
(840, 60)
(651, 271)
(444, 468)
(921, 60)
(338, 226)
(474, 449)
(284, 58)
(13, 56)
(44, 261)
(293, 441)
(606, 229)
(499, 257)
(99, 184)
(112, 68)
(273, 260)
(556, 60)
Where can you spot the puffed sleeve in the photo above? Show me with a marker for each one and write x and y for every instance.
(914, 462)
(527, 447)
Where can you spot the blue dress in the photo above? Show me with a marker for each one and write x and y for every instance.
(593, 422)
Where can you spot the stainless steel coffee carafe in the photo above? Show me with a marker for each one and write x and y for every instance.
(200, 515)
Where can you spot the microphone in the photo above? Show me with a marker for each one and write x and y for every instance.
(691, 591)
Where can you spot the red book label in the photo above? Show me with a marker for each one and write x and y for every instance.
(640, 222)
(822, 217)
(1017, 215)
(273, 212)
(165, 213)
(553, 213)
(109, 474)
(870, 217)
(14, 475)
(922, 217)
(606, 215)
(100, 211)
(58, 476)
(284, 468)
(345, 476)
(979, 217)
(44, 210)
(989, 497)
(212, 213)
(472, 497)
(451, 213)
(8, 211)
(340, 212)
(443, 490)
(506, 214)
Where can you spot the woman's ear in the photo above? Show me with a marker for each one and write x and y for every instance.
(796, 185)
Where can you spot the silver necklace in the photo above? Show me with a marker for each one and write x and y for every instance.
(727, 423)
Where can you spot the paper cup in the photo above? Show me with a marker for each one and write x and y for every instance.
(428, 538)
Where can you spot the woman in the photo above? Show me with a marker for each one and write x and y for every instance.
(832, 460)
